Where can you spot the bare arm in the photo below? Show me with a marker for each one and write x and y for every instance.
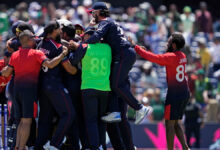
(56, 60)
(69, 67)
(6, 71)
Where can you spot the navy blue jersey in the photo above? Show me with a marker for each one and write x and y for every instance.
(76, 56)
(72, 82)
(112, 34)
(51, 49)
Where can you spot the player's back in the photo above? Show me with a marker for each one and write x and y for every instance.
(176, 76)
(26, 67)
(114, 36)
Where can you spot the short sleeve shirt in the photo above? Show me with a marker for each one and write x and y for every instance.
(27, 64)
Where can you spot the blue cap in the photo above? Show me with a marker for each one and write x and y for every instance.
(89, 30)
(15, 25)
(99, 6)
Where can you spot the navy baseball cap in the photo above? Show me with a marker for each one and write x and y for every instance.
(99, 6)
(89, 30)
(25, 26)
(15, 25)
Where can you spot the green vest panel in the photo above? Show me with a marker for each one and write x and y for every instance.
(96, 66)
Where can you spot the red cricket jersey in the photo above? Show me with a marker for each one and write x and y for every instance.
(175, 63)
(3, 80)
(27, 65)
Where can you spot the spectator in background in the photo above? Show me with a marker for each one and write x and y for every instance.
(201, 88)
(51, 11)
(146, 102)
(61, 11)
(37, 17)
(4, 24)
(216, 25)
(204, 19)
(193, 122)
(174, 15)
(158, 106)
(153, 27)
(217, 75)
(187, 23)
(21, 12)
(161, 21)
(215, 53)
(149, 76)
(149, 94)
(204, 54)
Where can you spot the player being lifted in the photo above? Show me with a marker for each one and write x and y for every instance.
(178, 92)
(123, 58)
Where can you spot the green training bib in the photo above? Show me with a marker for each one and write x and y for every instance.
(96, 66)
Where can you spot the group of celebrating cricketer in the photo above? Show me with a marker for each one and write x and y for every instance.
(84, 84)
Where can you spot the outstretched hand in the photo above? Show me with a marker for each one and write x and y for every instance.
(131, 41)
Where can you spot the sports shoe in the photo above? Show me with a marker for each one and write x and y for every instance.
(47, 146)
(112, 117)
(100, 147)
(140, 114)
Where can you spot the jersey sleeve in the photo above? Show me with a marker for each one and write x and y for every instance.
(161, 59)
(40, 56)
(101, 31)
(78, 55)
(11, 61)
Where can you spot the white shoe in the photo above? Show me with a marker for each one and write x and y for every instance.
(144, 111)
(47, 146)
(100, 147)
(112, 117)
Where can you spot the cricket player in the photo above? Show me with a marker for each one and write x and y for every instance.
(53, 97)
(178, 91)
(96, 66)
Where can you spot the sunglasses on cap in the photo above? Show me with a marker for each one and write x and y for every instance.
(79, 31)
(18, 30)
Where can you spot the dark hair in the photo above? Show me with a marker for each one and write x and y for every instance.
(7, 54)
(69, 30)
(179, 40)
(104, 13)
(52, 25)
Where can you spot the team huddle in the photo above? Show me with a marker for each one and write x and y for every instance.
(82, 82)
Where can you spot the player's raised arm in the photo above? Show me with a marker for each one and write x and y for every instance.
(162, 59)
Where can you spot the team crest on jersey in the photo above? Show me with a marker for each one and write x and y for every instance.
(46, 52)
